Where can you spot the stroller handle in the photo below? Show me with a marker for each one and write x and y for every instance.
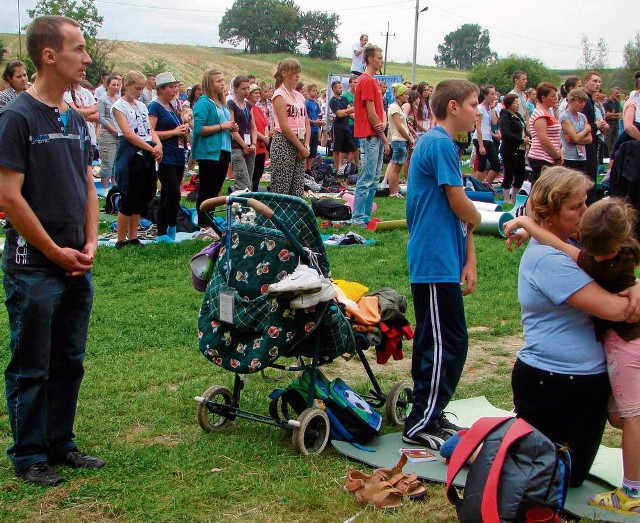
(259, 207)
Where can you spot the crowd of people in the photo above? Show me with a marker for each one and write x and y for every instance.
(150, 128)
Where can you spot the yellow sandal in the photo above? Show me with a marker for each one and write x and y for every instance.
(616, 501)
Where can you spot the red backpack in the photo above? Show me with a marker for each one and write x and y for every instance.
(517, 470)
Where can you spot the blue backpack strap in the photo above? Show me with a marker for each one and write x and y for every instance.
(467, 446)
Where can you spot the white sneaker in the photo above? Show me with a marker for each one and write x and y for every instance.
(304, 301)
(303, 279)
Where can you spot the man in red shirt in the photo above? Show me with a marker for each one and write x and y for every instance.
(370, 124)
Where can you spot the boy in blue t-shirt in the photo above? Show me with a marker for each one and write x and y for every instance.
(314, 113)
(442, 262)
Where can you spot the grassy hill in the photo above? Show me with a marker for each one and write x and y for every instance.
(188, 62)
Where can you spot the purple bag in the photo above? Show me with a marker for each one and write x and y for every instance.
(202, 266)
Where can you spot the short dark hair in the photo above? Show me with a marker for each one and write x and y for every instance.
(44, 32)
(335, 82)
(544, 89)
(447, 90)
(509, 99)
(10, 69)
(517, 74)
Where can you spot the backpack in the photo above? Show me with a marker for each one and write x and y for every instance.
(472, 183)
(331, 209)
(517, 469)
(112, 201)
(351, 418)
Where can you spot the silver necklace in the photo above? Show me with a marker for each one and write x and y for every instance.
(33, 86)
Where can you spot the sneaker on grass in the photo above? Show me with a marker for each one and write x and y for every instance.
(303, 280)
(432, 437)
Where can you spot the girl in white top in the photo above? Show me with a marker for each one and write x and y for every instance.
(290, 144)
(400, 137)
(131, 119)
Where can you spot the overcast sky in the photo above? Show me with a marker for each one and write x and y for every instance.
(549, 30)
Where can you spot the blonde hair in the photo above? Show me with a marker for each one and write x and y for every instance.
(554, 187)
(286, 66)
(207, 86)
(133, 77)
(609, 225)
(577, 94)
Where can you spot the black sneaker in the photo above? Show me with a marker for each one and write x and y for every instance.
(135, 242)
(122, 243)
(447, 426)
(40, 474)
(77, 459)
(431, 437)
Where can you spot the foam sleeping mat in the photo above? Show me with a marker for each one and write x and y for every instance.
(606, 472)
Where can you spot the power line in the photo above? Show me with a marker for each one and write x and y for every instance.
(508, 33)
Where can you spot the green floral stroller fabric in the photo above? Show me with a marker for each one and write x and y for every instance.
(256, 252)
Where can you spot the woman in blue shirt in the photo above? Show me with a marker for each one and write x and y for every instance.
(211, 143)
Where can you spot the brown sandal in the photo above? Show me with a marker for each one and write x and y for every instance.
(381, 495)
(356, 479)
(408, 484)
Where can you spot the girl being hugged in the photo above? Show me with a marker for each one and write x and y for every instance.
(139, 150)
(211, 142)
(610, 256)
(290, 143)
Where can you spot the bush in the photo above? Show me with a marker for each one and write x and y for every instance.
(499, 73)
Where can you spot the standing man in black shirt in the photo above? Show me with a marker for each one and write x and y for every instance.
(47, 192)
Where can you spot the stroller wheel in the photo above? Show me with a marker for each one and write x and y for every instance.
(312, 435)
(212, 417)
(399, 402)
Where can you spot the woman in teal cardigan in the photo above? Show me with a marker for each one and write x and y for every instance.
(211, 143)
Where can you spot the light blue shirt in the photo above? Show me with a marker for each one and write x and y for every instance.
(437, 248)
(557, 337)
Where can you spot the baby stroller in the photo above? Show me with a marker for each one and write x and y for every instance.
(245, 329)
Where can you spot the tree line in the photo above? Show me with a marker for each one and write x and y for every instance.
(278, 26)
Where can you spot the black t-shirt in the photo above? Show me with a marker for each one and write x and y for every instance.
(243, 118)
(337, 104)
(612, 106)
(53, 158)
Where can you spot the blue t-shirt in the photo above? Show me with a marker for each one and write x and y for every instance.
(558, 337)
(313, 112)
(437, 248)
(172, 153)
(243, 117)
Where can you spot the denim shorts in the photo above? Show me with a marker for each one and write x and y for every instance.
(398, 151)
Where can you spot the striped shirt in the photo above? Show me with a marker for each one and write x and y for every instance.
(553, 133)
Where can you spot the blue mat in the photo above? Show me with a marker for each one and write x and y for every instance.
(606, 472)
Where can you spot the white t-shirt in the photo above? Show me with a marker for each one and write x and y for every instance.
(100, 90)
(485, 127)
(83, 98)
(394, 134)
(357, 62)
(137, 118)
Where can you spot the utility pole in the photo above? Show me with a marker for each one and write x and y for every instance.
(19, 33)
(386, 45)
(415, 40)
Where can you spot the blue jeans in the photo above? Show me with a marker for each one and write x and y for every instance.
(373, 148)
(48, 323)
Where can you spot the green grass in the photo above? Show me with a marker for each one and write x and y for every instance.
(188, 62)
(143, 369)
